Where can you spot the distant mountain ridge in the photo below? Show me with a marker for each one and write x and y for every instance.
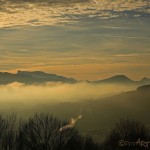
(34, 77)
(43, 75)
(117, 78)
(122, 79)
(39, 77)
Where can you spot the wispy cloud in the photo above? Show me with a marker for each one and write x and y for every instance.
(127, 37)
(52, 12)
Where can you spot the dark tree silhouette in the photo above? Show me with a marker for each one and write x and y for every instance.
(3, 127)
(128, 130)
(42, 132)
(8, 131)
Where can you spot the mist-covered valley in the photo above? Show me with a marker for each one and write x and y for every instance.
(101, 105)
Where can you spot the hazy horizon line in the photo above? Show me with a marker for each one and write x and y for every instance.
(115, 75)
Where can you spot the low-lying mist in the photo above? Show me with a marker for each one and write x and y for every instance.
(58, 92)
(94, 102)
(49, 97)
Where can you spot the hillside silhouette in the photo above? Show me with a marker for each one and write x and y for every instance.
(35, 77)
(116, 79)
(123, 79)
(40, 77)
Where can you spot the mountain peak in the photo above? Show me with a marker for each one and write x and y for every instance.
(118, 78)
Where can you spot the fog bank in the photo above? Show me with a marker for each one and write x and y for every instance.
(58, 92)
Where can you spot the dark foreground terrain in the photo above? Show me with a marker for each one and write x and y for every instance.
(45, 132)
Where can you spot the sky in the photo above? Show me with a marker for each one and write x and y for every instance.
(84, 39)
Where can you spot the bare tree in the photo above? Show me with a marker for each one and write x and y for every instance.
(3, 128)
(41, 132)
(8, 131)
(128, 130)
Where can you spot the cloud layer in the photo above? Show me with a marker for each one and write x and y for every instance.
(52, 12)
(57, 92)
